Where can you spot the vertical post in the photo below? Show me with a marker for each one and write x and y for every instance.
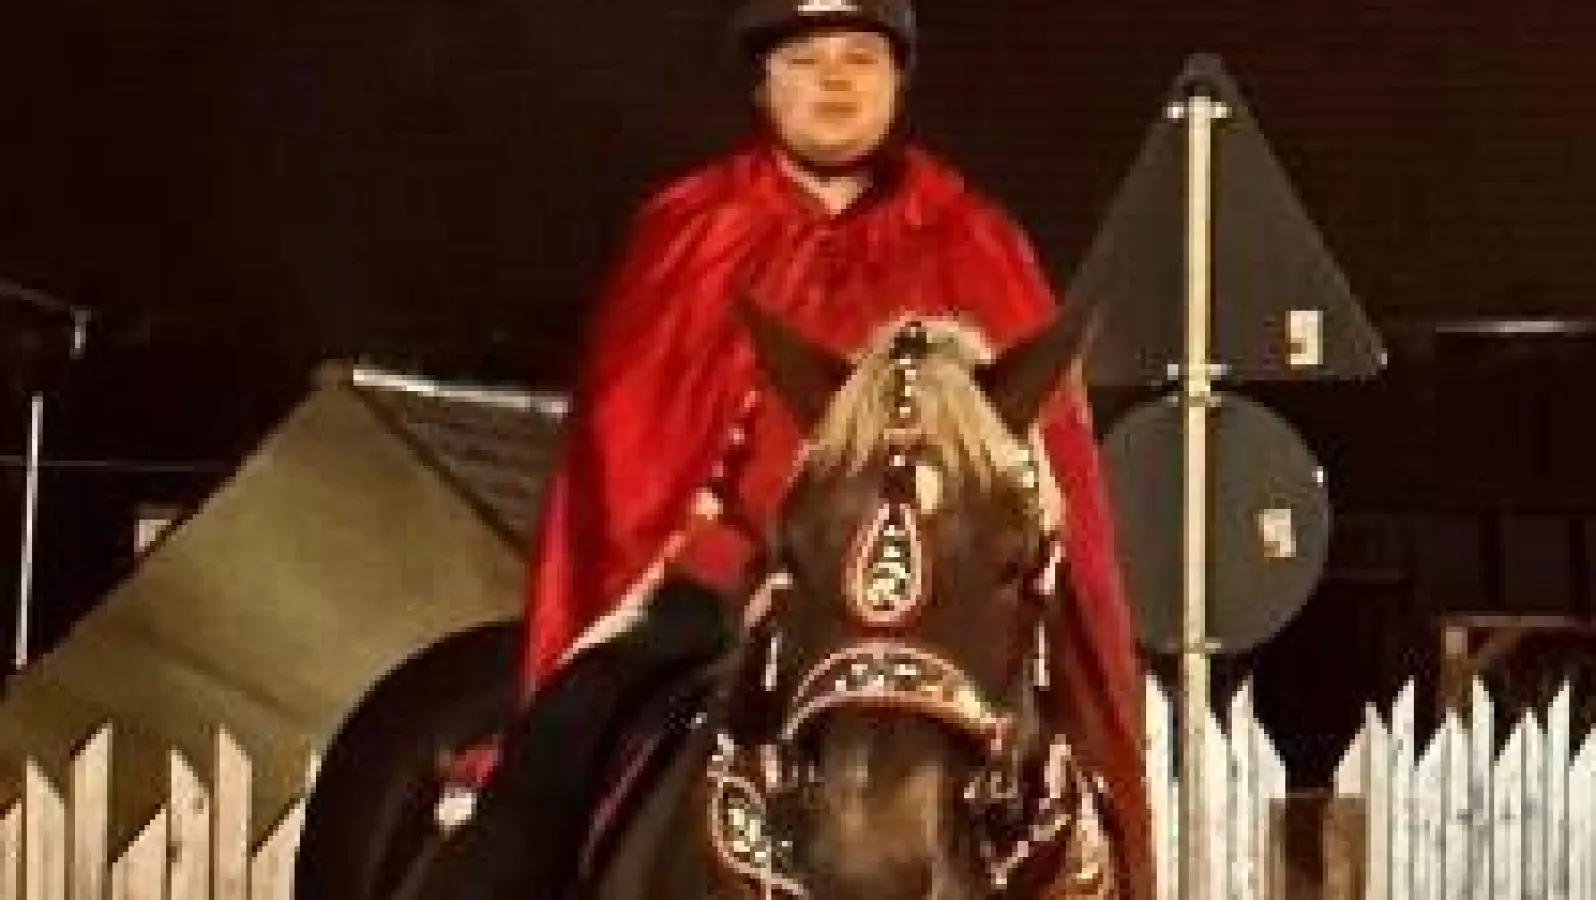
(30, 504)
(1199, 114)
(30, 521)
(1455, 674)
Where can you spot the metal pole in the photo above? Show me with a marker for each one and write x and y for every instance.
(33, 460)
(1199, 114)
(30, 520)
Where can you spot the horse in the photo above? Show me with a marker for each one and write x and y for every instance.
(880, 726)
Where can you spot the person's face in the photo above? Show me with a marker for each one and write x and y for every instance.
(831, 96)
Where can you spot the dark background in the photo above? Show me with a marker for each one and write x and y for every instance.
(246, 188)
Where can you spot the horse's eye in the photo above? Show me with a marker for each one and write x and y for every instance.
(1024, 561)
(1016, 566)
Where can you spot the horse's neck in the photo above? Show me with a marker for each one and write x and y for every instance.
(659, 853)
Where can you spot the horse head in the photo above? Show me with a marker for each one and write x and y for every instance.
(887, 732)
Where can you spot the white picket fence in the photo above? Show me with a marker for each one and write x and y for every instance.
(1242, 775)
(1456, 818)
(54, 841)
(1462, 820)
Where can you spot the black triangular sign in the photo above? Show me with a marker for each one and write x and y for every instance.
(1282, 310)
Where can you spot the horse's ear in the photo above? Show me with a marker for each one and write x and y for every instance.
(1019, 382)
(805, 376)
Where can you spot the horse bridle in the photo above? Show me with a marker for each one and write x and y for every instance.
(887, 585)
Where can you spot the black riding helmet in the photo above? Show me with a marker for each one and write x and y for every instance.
(762, 24)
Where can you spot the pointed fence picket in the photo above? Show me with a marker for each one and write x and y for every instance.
(53, 843)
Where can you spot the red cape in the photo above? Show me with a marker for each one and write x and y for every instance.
(669, 371)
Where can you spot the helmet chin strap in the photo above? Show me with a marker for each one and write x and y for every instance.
(866, 166)
(836, 187)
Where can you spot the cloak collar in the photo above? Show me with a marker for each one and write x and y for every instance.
(911, 189)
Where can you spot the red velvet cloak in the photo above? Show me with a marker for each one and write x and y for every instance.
(669, 371)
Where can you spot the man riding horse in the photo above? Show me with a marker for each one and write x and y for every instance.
(832, 220)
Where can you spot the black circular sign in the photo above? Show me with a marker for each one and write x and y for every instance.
(1269, 521)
